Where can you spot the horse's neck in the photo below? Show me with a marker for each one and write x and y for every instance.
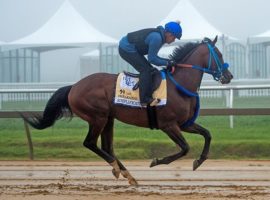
(189, 78)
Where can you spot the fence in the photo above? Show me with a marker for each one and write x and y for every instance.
(231, 96)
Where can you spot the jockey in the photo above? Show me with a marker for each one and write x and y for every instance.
(135, 45)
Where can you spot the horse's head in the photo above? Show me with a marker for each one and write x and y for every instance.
(205, 57)
(214, 63)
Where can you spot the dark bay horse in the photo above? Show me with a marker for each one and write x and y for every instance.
(92, 100)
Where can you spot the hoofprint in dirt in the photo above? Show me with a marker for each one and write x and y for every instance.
(220, 179)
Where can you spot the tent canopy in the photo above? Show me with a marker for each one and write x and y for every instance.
(65, 29)
(194, 25)
(261, 38)
(93, 53)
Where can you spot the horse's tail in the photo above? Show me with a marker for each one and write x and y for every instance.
(55, 109)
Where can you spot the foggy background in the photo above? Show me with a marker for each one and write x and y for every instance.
(238, 18)
(115, 18)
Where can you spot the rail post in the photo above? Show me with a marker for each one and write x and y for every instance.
(29, 140)
(231, 106)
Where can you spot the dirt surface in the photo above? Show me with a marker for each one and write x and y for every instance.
(214, 180)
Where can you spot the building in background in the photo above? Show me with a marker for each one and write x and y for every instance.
(19, 66)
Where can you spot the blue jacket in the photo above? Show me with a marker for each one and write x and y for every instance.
(147, 41)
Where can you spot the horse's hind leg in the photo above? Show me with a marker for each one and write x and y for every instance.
(91, 139)
(107, 146)
(197, 129)
(175, 134)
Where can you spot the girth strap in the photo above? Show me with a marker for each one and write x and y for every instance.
(152, 117)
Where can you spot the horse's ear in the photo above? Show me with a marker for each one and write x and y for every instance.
(215, 40)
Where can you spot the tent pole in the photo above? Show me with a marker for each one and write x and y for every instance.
(100, 57)
(247, 59)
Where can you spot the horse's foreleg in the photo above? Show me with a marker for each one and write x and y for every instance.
(197, 129)
(175, 134)
(107, 146)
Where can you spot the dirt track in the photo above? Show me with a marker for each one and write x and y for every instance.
(215, 180)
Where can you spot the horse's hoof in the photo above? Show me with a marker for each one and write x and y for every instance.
(115, 173)
(197, 163)
(132, 181)
(154, 162)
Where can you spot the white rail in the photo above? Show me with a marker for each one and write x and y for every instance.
(235, 87)
(217, 87)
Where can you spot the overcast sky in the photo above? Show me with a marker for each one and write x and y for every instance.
(238, 18)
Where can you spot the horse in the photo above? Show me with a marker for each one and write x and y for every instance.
(91, 99)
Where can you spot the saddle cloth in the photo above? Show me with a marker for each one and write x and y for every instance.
(125, 95)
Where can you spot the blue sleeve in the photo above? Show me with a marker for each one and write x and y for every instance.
(125, 45)
(154, 42)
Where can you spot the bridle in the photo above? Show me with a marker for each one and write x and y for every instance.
(220, 67)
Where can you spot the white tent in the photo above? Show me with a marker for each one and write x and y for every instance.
(194, 25)
(66, 28)
(260, 38)
(93, 53)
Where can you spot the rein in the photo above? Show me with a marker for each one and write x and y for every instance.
(206, 70)
(189, 94)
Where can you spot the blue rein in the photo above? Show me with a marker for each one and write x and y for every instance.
(189, 94)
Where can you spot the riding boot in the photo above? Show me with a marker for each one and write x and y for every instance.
(145, 86)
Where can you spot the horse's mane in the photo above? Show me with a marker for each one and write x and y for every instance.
(180, 52)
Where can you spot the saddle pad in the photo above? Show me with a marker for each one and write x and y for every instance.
(125, 95)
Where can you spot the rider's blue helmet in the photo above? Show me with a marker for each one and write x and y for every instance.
(174, 28)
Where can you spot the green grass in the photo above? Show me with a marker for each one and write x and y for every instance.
(249, 139)
(23, 105)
